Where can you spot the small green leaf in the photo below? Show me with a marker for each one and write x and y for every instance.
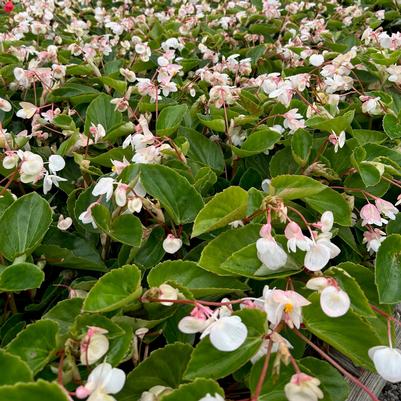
(170, 119)
(388, 270)
(301, 145)
(223, 208)
(216, 124)
(36, 344)
(125, 228)
(114, 290)
(336, 124)
(24, 224)
(164, 367)
(392, 126)
(258, 142)
(21, 277)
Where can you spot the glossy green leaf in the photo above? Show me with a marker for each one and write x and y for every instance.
(194, 391)
(36, 344)
(164, 367)
(216, 124)
(291, 187)
(258, 142)
(388, 270)
(222, 209)
(21, 277)
(38, 391)
(24, 224)
(125, 228)
(200, 282)
(14, 369)
(392, 126)
(170, 119)
(114, 290)
(336, 124)
(301, 146)
(175, 193)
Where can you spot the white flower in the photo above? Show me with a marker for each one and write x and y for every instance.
(295, 238)
(334, 301)
(168, 292)
(208, 397)
(154, 393)
(134, 204)
(102, 381)
(27, 111)
(371, 105)
(10, 160)
(104, 187)
(293, 120)
(64, 223)
(5, 105)
(49, 180)
(172, 244)
(56, 163)
(86, 216)
(266, 185)
(94, 345)
(326, 221)
(316, 60)
(97, 131)
(227, 333)
(318, 283)
(387, 362)
(386, 208)
(303, 388)
(31, 168)
(269, 252)
(319, 254)
(373, 239)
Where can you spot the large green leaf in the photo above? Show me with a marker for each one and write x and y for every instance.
(20, 277)
(125, 228)
(223, 208)
(170, 119)
(36, 344)
(114, 290)
(164, 367)
(349, 334)
(388, 270)
(14, 369)
(101, 111)
(38, 391)
(301, 146)
(24, 224)
(188, 274)
(207, 361)
(258, 142)
(291, 187)
(336, 124)
(218, 250)
(194, 391)
(175, 193)
(329, 199)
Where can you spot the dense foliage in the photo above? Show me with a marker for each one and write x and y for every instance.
(198, 198)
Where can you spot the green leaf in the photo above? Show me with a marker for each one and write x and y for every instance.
(258, 142)
(207, 361)
(336, 124)
(36, 344)
(38, 391)
(170, 119)
(388, 270)
(15, 369)
(125, 228)
(189, 275)
(329, 199)
(349, 334)
(175, 193)
(194, 391)
(114, 290)
(217, 251)
(222, 209)
(364, 136)
(24, 224)
(21, 277)
(203, 150)
(392, 126)
(101, 111)
(216, 124)
(291, 187)
(164, 367)
(301, 146)
(64, 313)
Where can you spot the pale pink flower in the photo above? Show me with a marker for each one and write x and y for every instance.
(386, 208)
(303, 387)
(295, 238)
(370, 215)
(293, 120)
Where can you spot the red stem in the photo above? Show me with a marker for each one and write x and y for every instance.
(337, 365)
(380, 312)
(263, 373)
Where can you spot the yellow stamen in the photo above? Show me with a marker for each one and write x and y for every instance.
(288, 308)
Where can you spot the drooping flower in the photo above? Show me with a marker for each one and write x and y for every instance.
(386, 208)
(56, 163)
(303, 387)
(102, 381)
(168, 292)
(64, 224)
(5, 105)
(373, 239)
(387, 362)
(293, 120)
(334, 301)
(27, 110)
(155, 393)
(295, 238)
(316, 60)
(269, 252)
(370, 215)
(104, 187)
(94, 345)
(171, 244)
(31, 168)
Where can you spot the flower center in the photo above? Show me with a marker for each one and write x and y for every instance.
(288, 308)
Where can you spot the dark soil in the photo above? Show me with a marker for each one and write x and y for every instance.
(392, 392)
